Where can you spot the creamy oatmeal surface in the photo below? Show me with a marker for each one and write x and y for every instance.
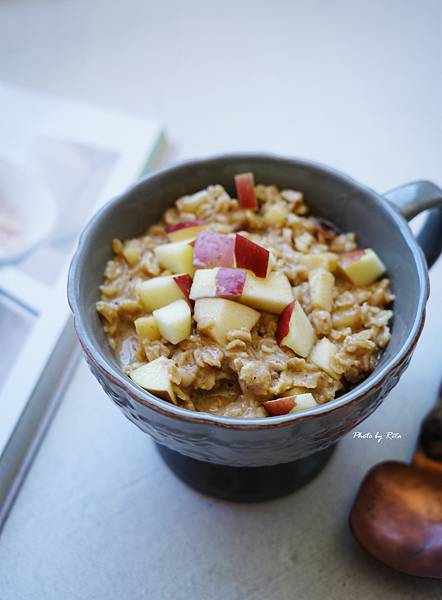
(247, 307)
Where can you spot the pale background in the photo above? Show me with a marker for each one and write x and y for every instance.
(353, 84)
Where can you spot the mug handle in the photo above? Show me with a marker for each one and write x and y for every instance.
(413, 198)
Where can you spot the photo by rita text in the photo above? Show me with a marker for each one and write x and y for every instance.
(378, 436)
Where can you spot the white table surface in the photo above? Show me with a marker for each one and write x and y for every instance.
(353, 84)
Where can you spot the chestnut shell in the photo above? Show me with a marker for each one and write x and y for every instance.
(397, 517)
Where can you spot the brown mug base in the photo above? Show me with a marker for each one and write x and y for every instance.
(245, 484)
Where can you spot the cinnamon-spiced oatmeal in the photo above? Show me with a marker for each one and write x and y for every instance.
(245, 307)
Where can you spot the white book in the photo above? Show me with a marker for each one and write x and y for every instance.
(81, 156)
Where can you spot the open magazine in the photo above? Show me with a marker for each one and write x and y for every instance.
(59, 161)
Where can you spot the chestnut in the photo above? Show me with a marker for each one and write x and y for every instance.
(431, 434)
(397, 517)
(423, 461)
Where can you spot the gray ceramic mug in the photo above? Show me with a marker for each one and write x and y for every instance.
(236, 458)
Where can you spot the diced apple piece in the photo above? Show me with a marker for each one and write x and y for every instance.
(216, 316)
(176, 257)
(245, 190)
(159, 291)
(295, 330)
(279, 406)
(174, 321)
(362, 266)
(303, 401)
(322, 355)
(147, 329)
(214, 250)
(324, 260)
(155, 377)
(218, 282)
(276, 215)
(289, 404)
(321, 289)
(252, 256)
(271, 294)
(204, 284)
(185, 230)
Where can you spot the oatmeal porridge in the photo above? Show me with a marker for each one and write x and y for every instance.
(245, 307)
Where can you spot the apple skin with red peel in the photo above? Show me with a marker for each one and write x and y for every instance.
(217, 282)
(185, 230)
(230, 282)
(295, 330)
(397, 518)
(284, 323)
(251, 256)
(184, 282)
(279, 406)
(183, 225)
(289, 404)
(245, 190)
(213, 249)
(159, 291)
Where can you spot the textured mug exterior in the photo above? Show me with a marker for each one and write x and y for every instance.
(246, 447)
(237, 442)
